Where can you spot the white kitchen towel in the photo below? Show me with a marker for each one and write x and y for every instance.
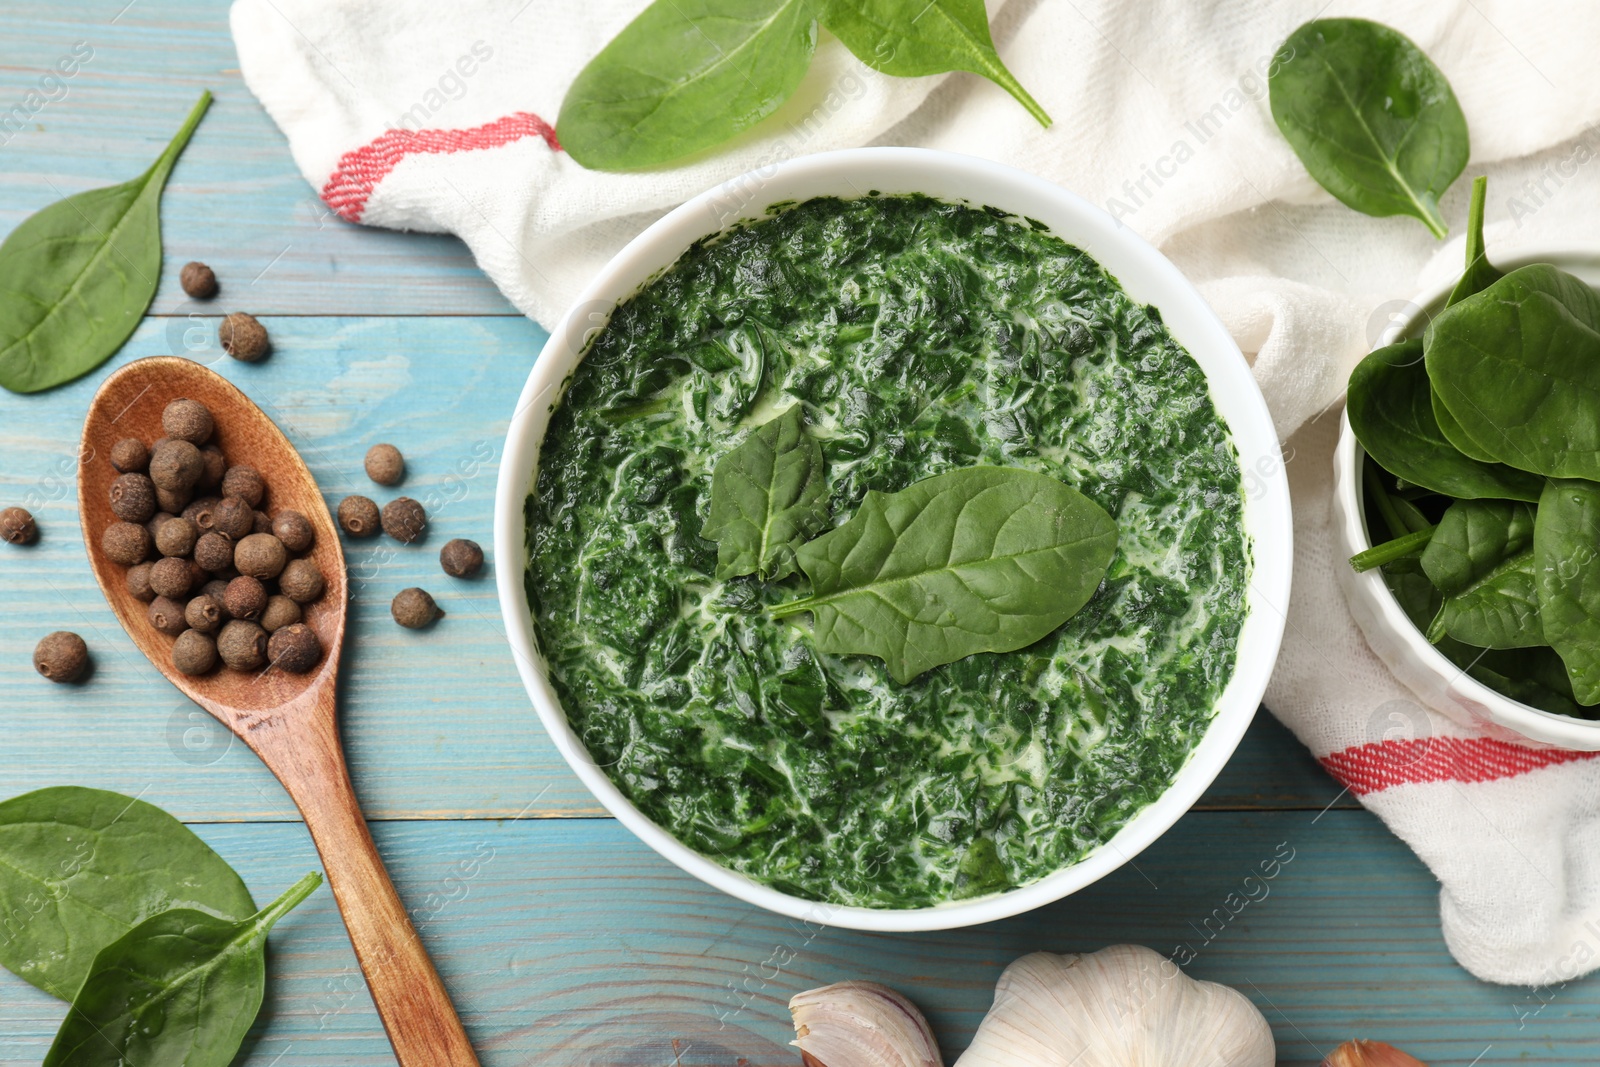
(413, 115)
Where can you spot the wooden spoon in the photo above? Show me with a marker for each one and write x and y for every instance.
(287, 719)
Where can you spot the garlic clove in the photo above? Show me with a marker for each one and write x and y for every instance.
(861, 1024)
(1124, 1006)
(1370, 1054)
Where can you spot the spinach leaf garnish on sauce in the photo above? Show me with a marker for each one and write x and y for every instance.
(981, 559)
(767, 496)
(76, 277)
(182, 987)
(1370, 116)
(79, 868)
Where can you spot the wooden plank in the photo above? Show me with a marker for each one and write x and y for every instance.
(567, 942)
(437, 723)
(236, 199)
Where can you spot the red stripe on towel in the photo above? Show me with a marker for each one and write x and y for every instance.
(360, 171)
(1376, 766)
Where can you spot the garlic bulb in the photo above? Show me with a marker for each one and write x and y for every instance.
(1369, 1054)
(1124, 1006)
(861, 1024)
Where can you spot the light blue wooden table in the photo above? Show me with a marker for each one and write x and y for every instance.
(564, 940)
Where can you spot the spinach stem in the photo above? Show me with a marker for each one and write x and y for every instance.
(1389, 551)
(1380, 498)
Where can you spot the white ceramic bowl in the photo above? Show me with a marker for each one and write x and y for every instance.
(1146, 275)
(1423, 669)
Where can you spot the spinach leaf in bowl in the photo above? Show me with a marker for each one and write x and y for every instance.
(1390, 405)
(1370, 116)
(1498, 609)
(767, 496)
(1518, 366)
(1472, 538)
(1566, 538)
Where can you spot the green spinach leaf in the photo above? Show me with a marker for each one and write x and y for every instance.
(767, 496)
(1518, 365)
(911, 38)
(1370, 116)
(1533, 676)
(1480, 273)
(1390, 405)
(182, 987)
(1499, 609)
(981, 559)
(79, 868)
(1566, 539)
(1472, 538)
(684, 76)
(76, 277)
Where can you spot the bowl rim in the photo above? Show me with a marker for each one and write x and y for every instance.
(852, 172)
(1535, 724)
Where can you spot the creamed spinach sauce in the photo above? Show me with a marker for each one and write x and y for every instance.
(920, 336)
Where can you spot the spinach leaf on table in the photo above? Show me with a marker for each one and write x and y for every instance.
(1474, 537)
(684, 76)
(182, 987)
(1518, 365)
(1498, 609)
(1566, 541)
(79, 868)
(76, 277)
(980, 559)
(1390, 406)
(767, 496)
(1370, 116)
(912, 38)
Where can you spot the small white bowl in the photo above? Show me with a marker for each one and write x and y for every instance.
(1144, 273)
(1423, 669)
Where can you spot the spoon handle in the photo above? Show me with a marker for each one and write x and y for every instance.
(417, 1014)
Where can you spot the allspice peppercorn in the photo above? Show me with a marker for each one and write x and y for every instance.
(293, 529)
(176, 465)
(61, 656)
(204, 613)
(17, 526)
(173, 501)
(358, 516)
(138, 581)
(301, 581)
(130, 455)
(187, 420)
(404, 520)
(214, 551)
(217, 589)
(216, 464)
(177, 537)
(260, 556)
(194, 652)
(202, 513)
(166, 615)
(385, 465)
(243, 337)
(294, 648)
(263, 524)
(242, 645)
(198, 280)
(245, 598)
(126, 543)
(233, 517)
(133, 497)
(244, 482)
(171, 577)
(461, 558)
(414, 609)
(280, 612)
